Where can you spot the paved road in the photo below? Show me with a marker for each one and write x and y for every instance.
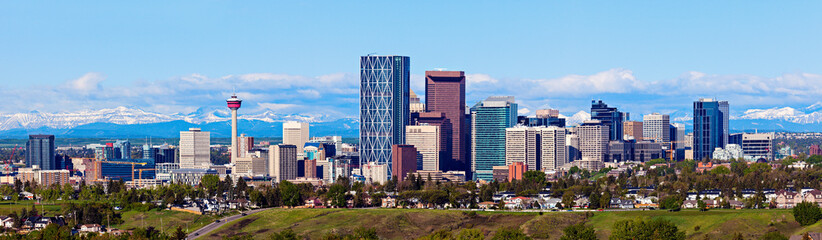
(211, 226)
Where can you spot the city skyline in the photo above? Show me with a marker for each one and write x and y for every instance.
(668, 63)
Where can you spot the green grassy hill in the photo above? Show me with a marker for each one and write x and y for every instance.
(412, 223)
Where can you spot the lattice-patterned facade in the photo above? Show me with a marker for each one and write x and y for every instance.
(384, 106)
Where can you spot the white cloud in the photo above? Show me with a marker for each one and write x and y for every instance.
(309, 93)
(479, 78)
(276, 106)
(87, 83)
(337, 93)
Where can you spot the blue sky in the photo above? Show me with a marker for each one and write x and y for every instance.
(287, 56)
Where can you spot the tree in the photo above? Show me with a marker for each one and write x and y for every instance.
(639, 229)
(179, 234)
(470, 234)
(721, 170)
(701, 204)
(210, 183)
(773, 236)
(605, 200)
(441, 234)
(593, 200)
(242, 188)
(337, 195)
(286, 234)
(806, 213)
(579, 232)
(670, 202)
(362, 233)
(290, 194)
(504, 233)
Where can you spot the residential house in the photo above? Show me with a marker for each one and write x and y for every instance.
(313, 202)
(581, 202)
(787, 199)
(7, 222)
(518, 203)
(690, 204)
(621, 203)
(736, 204)
(91, 228)
(486, 205)
(389, 201)
(812, 235)
(813, 196)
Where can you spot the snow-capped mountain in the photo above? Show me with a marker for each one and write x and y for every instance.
(130, 115)
(577, 118)
(119, 115)
(786, 113)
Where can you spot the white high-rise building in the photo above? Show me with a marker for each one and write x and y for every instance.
(593, 144)
(522, 145)
(680, 135)
(282, 162)
(295, 133)
(554, 151)
(656, 127)
(540, 148)
(195, 151)
(426, 139)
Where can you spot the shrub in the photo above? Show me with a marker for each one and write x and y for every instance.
(806, 213)
(579, 232)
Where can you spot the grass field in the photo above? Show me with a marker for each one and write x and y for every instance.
(412, 223)
(165, 220)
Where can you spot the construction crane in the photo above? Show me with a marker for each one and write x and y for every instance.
(671, 151)
(140, 175)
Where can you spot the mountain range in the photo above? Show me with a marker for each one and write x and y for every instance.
(133, 122)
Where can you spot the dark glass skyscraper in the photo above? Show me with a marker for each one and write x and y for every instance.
(40, 152)
(710, 127)
(609, 116)
(445, 93)
(384, 109)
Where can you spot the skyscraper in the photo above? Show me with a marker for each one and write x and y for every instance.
(554, 150)
(122, 149)
(522, 145)
(405, 160)
(445, 92)
(426, 140)
(656, 127)
(710, 127)
(680, 135)
(245, 144)
(40, 152)
(540, 148)
(282, 162)
(195, 151)
(609, 116)
(633, 129)
(593, 144)
(384, 109)
(489, 119)
(296, 133)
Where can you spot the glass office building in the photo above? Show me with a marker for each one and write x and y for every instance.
(710, 127)
(384, 106)
(609, 116)
(489, 119)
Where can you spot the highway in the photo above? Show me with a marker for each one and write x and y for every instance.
(211, 226)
